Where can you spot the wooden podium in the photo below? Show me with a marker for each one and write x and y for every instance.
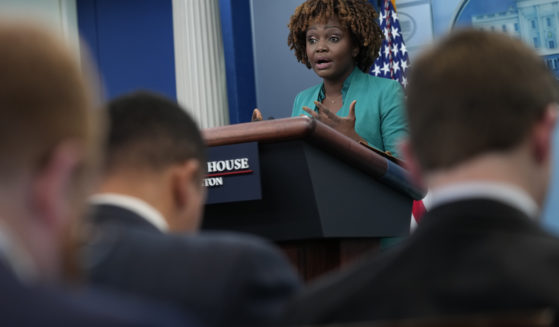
(326, 199)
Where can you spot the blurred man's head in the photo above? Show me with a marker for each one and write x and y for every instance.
(482, 97)
(155, 152)
(49, 142)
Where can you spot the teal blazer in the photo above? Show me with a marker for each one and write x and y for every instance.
(379, 110)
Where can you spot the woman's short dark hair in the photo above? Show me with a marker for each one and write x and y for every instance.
(358, 16)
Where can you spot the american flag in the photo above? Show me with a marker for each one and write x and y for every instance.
(393, 61)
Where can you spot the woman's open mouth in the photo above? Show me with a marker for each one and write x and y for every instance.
(323, 63)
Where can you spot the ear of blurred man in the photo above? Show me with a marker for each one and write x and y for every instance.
(542, 135)
(188, 195)
(54, 184)
(58, 191)
(540, 142)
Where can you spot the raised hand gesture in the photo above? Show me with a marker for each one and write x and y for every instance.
(344, 125)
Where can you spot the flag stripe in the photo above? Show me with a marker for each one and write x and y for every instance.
(418, 210)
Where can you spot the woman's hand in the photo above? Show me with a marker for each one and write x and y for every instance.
(256, 115)
(344, 125)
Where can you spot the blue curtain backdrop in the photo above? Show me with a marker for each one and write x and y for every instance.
(239, 61)
(132, 43)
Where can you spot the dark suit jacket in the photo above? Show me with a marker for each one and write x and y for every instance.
(22, 305)
(226, 279)
(470, 256)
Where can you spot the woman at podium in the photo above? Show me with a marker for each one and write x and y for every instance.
(340, 40)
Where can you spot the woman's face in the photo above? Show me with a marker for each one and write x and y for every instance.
(330, 50)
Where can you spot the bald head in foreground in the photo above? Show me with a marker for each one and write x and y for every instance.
(50, 137)
(482, 108)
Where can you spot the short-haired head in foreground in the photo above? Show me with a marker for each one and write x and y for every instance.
(357, 16)
(479, 93)
(475, 92)
(148, 131)
(50, 139)
(44, 98)
(155, 152)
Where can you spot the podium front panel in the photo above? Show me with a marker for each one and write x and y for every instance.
(308, 193)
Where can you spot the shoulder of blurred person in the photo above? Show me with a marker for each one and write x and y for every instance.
(470, 257)
(29, 305)
(226, 279)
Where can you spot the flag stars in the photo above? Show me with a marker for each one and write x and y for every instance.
(395, 49)
(376, 70)
(385, 68)
(392, 61)
(403, 49)
(394, 32)
(396, 66)
(404, 64)
(404, 81)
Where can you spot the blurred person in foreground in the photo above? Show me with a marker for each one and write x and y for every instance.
(147, 213)
(50, 137)
(482, 109)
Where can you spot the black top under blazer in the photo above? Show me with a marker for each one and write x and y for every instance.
(225, 279)
(470, 256)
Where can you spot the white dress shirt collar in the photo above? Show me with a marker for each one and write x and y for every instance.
(138, 206)
(507, 193)
(16, 257)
